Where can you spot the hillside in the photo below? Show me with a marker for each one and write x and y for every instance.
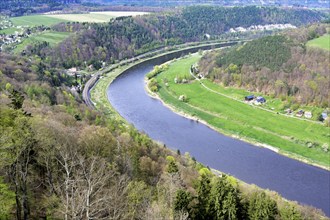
(63, 160)
(280, 66)
(126, 37)
(171, 3)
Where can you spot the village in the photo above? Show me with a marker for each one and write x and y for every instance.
(267, 27)
(259, 100)
(9, 40)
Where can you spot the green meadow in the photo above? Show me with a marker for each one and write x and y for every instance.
(320, 42)
(300, 139)
(51, 37)
(35, 20)
(9, 30)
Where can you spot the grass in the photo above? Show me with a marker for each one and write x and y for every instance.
(320, 42)
(35, 20)
(49, 20)
(9, 30)
(92, 17)
(234, 118)
(97, 17)
(51, 37)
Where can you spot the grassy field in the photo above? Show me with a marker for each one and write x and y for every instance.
(9, 30)
(48, 20)
(98, 17)
(300, 139)
(321, 42)
(51, 37)
(35, 20)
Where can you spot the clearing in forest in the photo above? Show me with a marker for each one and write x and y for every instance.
(321, 42)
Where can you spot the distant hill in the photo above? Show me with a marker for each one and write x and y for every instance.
(21, 7)
(170, 3)
(127, 37)
(282, 65)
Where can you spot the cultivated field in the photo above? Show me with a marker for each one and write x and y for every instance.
(52, 38)
(321, 42)
(51, 19)
(35, 20)
(9, 30)
(292, 136)
(98, 17)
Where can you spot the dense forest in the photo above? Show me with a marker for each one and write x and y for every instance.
(173, 3)
(126, 37)
(23, 7)
(279, 65)
(63, 160)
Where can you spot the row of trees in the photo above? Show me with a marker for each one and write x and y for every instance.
(281, 65)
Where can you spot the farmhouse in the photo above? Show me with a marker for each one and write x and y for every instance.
(324, 115)
(260, 99)
(308, 114)
(249, 98)
(300, 113)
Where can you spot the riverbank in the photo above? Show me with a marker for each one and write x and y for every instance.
(226, 118)
(191, 146)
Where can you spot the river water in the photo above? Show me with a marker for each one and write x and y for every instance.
(292, 179)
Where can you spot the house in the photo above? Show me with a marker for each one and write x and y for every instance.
(71, 71)
(300, 113)
(249, 98)
(308, 114)
(288, 111)
(324, 115)
(261, 99)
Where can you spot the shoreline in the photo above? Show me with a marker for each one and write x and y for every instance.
(188, 116)
(223, 132)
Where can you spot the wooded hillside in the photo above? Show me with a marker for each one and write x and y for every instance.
(126, 37)
(62, 160)
(279, 65)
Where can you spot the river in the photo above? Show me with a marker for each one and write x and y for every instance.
(292, 179)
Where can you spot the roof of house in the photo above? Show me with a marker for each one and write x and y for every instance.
(249, 97)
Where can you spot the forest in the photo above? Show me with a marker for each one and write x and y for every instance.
(23, 7)
(281, 66)
(126, 37)
(63, 160)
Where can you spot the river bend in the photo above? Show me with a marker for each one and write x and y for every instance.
(292, 179)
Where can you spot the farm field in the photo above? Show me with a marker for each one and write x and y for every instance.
(9, 30)
(97, 17)
(52, 19)
(52, 38)
(321, 42)
(35, 20)
(300, 139)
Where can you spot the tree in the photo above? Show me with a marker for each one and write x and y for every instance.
(224, 201)
(171, 166)
(203, 197)
(182, 201)
(8, 198)
(17, 153)
(289, 212)
(17, 99)
(262, 206)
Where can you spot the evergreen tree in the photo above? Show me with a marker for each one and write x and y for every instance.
(262, 207)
